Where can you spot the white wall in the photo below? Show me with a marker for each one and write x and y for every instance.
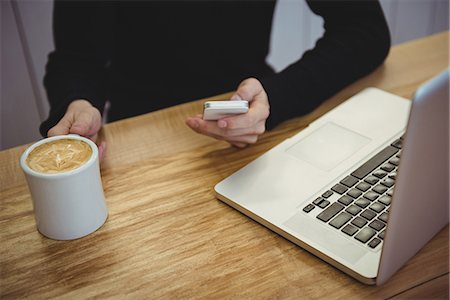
(18, 109)
(26, 40)
(296, 28)
(409, 19)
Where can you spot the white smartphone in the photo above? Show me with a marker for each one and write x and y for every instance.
(215, 110)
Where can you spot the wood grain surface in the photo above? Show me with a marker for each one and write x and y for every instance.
(168, 237)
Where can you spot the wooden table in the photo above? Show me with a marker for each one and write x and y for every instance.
(167, 236)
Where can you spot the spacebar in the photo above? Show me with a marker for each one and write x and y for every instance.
(374, 162)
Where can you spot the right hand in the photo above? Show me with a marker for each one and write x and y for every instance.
(81, 118)
(241, 130)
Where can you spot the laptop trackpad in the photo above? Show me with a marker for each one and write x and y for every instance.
(328, 146)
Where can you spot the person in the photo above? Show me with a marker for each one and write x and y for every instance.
(146, 55)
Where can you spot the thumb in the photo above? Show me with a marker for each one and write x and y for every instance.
(86, 123)
(62, 127)
(80, 126)
(236, 97)
(248, 89)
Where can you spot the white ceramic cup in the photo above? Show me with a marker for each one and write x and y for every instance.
(67, 205)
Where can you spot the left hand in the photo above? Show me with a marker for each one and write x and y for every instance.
(240, 130)
(81, 118)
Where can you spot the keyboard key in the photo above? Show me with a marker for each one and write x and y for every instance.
(327, 194)
(390, 192)
(373, 243)
(382, 234)
(384, 217)
(363, 203)
(359, 222)
(393, 175)
(379, 173)
(363, 186)
(354, 193)
(377, 207)
(380, 189)
(397, 144)
(308, 208)
(318, 200)
(350, 229)
(339, 188)
(395, 161)
(365, 234)
(353, 209)
(368, 214)
(371, 179)
(385, 199)
(340, 220)
(387, 167)
(374, 162)
(330, 212)
(377, 225)
(346, 200)
(349, 181)
(388, 182)
(324, 203)
(371, 195)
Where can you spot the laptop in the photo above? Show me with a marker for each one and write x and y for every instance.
(364, 187)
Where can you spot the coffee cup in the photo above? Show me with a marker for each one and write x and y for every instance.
(63, 177)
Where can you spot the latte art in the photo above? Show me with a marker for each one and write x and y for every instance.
(59, 156)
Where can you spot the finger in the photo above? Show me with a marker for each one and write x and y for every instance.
(93, 137)
(199, 125)
(210, 127)
(247, 139)
(86, 123)
(248, 89)
(102, 151)
(206, 127)
(257, 129)
(236, 97)
(193, 122)
(239, 141)
(239, 145)
(62, 127)
(258, 112)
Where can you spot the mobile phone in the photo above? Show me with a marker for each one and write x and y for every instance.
(215, 110)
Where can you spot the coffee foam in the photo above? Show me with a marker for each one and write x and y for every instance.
(59, 156)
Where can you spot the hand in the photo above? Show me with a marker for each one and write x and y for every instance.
(240, 130)
(83, 119)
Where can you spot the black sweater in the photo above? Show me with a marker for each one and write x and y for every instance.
(146, 55)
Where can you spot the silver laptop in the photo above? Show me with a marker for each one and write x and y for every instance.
(354, 188)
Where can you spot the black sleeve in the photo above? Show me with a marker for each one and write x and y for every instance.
(355, 42)
(76, 69)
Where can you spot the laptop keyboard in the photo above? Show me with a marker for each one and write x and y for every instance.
(362, 209)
